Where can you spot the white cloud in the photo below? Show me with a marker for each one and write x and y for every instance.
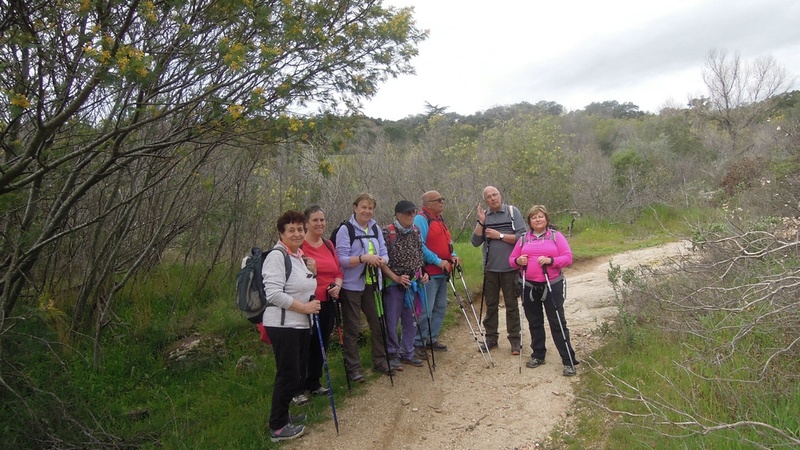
(481, 54)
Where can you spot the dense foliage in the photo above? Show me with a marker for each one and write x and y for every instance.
(153, 141)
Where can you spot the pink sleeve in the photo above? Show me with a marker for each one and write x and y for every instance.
(564, 258)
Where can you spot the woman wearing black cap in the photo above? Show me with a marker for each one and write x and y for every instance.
(404, 246)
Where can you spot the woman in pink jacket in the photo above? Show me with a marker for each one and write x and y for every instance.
(544, 250)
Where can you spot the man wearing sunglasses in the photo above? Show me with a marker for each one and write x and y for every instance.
(439, 257)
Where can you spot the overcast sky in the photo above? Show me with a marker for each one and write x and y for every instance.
(484, 53)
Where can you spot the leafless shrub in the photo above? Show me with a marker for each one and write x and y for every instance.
(733, 308)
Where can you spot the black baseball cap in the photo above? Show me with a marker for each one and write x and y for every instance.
(404, 206)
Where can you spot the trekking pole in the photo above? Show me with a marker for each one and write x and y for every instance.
(485, 261)
(410, 300)
(481, 330)
(327, 373)
(340, 332)
(376, 291)
(471, 329)
(522, 271)
(423, 296)
(558, 316)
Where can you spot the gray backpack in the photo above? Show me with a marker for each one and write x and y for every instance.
(250, 295)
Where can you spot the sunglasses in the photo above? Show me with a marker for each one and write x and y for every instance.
(437, 200)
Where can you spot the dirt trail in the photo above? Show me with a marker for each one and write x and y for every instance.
(469, 406)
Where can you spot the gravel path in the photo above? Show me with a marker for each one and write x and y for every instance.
(470, 406)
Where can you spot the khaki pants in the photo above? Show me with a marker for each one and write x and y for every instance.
(353, 304)
(493, 283)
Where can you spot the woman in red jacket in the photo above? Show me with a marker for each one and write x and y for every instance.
(329, 282)
(544, 250)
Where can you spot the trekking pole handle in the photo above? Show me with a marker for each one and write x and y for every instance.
(552, 260)
(332, 287)
(314, 305)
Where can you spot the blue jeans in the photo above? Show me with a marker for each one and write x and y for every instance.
(435, 308)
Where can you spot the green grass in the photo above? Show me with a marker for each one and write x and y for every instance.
(212, 406)
(711, 402)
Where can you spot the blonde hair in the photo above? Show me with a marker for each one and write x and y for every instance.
(365, 196)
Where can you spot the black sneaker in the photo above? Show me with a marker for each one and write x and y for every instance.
(515, 348)
(412, 361)
(382, 368)
(357, 377)
(439, 346)
(286, 433)
(534, 362)
(395, 364)
(489, 345)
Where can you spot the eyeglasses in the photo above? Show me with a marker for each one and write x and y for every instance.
(437, 200)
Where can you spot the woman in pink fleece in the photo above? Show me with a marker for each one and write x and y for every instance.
(542, 252)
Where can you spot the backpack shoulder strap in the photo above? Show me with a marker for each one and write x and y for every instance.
(511, 214)
(351, 231)
(329, 244)
(391, 234)
(427, 216)
(287, 262)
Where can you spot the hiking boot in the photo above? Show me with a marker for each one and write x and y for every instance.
(569, 371)
(421, 352)
(382, 368)
(412, 361)
(395, 364)
(357, 377)
(534, 362)
(299, 418)
(515, 348)
(438, 346)
(288, 432)
(488, 345)
(300, 400)
(320, 391)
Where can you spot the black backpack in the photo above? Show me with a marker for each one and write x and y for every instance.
(250, 295)
(351, 231)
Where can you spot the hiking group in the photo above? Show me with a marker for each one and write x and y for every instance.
(397, 275)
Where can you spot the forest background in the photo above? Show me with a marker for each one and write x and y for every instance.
(148, 146)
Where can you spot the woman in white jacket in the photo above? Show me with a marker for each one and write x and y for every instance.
(287, 320)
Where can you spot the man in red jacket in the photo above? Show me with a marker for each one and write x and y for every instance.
(439, 257)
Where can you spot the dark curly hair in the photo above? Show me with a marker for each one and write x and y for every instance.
(288, 217)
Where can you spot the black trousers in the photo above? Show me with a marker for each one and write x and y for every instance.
(290, 347)
(326, 323)
(553, 307)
